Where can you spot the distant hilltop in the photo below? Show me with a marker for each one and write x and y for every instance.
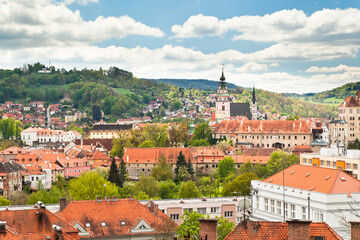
(203, 84)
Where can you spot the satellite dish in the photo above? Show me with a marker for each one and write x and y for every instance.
(245, 205)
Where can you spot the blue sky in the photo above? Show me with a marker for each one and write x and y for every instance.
(278, 45)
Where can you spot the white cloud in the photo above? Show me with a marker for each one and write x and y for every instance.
(339, 68)
(274, 64)
(253, 67)
(46, 23)
(81, 2)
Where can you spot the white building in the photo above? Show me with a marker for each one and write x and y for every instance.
(36, 175)
(32, 135)
(230, 208)
(334, 158)
(311, 193)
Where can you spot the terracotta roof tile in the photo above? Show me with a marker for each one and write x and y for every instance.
(302, 148)
(113, 213)
(276, 231)
(151, 155)
(318, 179)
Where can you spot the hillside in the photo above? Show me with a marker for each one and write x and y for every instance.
(119, 94)
(194, 83)
(349, 89)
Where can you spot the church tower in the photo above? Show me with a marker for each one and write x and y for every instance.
(222, 100)
(254, 111)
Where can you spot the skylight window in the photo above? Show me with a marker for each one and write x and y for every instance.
(103, 224)
(123, 223)
(292, 172)
(87, 225)
(343, 179)
(308, 174)
(327, 177)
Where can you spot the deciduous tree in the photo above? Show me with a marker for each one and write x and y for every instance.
(226, 167)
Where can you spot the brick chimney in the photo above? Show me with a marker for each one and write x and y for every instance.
(298, 229)
(63, 203)
(355, 230)
(208, 229)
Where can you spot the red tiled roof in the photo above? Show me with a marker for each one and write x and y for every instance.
(263, 126)
(302, 148)
(350, 102)
(317, 179)
(13, 150)
(276, 231)
(151, 155)
(34, 170)
(34, 224)
(131, 212)
(97, 155)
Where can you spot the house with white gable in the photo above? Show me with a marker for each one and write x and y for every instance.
(308, 193)
(31, 135)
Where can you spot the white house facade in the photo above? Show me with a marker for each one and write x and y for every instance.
(325, 196)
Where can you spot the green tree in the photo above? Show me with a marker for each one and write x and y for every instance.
(123, 176)
(167, 189)
(4, 201)
(96, 113)
(204, 185)
(180, 162)
(226, 167)
(147, 144)
(114, 175)
(148, 185)
(119, 144)
(224, 227)
(142, 196)
(240, 185)
(280, 160)
(47, 197)
(190, 225)
(91, 185)
(203, 131)
(163, 170)
(190, 168)
(188, 190)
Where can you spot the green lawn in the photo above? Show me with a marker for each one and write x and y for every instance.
(122, 91)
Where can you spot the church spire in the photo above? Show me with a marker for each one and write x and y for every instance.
(222, 78)
(253, 95)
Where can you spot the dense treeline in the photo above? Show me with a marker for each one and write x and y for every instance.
(349, 89)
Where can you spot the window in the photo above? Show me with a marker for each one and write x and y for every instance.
(103, 224)
(201, 210)
(266, 204)
(273, 206)
(286, 210)
(292, 206)
(188, 210)
(304, 160)
(348, 165)
(228, 214)
(278, 207)
(174, 217)
(214, 210)
(355, 166)
(257, 202)
(87, 225)
(322, 162)
(303, 213)
(328, 163)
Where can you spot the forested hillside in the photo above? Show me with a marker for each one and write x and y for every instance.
(119, 94)
(349, 89)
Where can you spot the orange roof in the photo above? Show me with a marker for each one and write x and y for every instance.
(27, 158)
(97, 155)
(276, 231)
(251, 159)
(231, 148)
(34, 224)
(263, 126)
(317, 179)
(350, 102)
(13, 150)
(302, 148)
(151, 155)
(52, 157)
(129, 213)
(34, 170)
(73, 162)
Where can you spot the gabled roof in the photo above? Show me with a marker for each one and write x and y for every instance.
(350, 102)
(12, 150)
(97, 155)
(8, 167)
(302, 148)
(151, 155)
(34, 224)
(120, 217)
(276, 231)
(317, 179)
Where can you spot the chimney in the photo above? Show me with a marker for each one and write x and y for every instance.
(115, 198)
(98, 199)
(58, 232)
(63, 203)
(355, 230)
(2, 227)
(107, 198)
(298, 229)
(208, 229)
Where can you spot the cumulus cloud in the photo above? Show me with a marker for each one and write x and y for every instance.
(253, 67)
(46, 23)
(81, 2)
(328, 25)
(339, 68)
